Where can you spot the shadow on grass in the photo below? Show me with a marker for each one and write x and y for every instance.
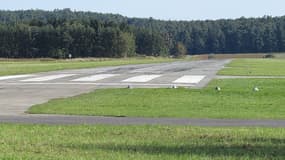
(257, 148)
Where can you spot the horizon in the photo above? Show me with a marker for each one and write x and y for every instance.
(183, 10)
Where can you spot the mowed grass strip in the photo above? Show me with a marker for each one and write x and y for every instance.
(255, 67)
(139, 142)
(236, 100)
(34, 66)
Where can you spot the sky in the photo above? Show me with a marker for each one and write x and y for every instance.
(160, 9)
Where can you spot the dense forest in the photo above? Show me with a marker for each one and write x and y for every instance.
(58, 33)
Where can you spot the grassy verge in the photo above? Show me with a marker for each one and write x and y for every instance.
(255, 67)
(236, 100)
(33, 66)
(139, 142)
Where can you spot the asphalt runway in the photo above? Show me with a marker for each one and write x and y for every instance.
(19, 92)
(91, 120)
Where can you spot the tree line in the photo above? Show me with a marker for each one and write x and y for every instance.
(58, 33)
(59, 39)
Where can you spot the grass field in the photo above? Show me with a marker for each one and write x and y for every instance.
(140, 142)
(32, 66)
(255, 67)
(236, 100)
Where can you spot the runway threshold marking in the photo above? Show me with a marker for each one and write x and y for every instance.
(141, 78)
(98, 84)
(15, 76)
(94, 78)
(47, 78)
(194, 79)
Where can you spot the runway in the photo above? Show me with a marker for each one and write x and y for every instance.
(19, 92)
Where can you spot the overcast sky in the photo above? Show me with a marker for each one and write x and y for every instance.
(160, 9)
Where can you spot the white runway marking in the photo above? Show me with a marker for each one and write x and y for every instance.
(47, 78)
(100, 84)
(14, 77)
(94, 78)
(189, 79)
(142, 78)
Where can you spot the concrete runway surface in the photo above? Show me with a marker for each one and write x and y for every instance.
(18, 93)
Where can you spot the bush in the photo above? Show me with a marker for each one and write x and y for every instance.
(269, 56)
(180, 50)
(211, 56)
(57, 53)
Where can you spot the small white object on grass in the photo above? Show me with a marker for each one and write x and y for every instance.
(255, 89)
(218, 88)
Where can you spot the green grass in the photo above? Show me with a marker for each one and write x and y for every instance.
(140, 142)
(255, 67)
(34, 66)
(236, 100)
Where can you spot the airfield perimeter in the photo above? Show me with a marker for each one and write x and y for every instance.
(18, 93)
